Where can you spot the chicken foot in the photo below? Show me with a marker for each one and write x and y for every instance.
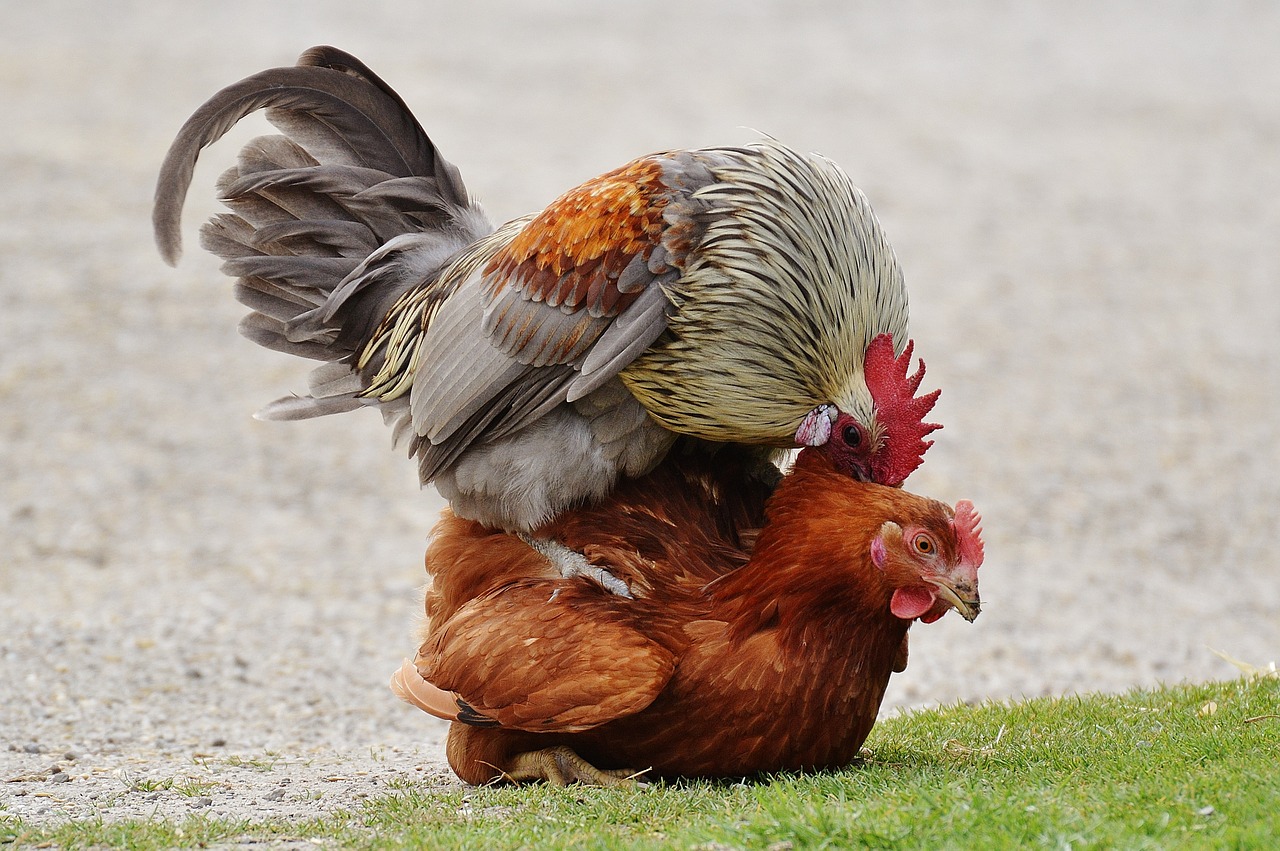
(561, 766)
(572, 563)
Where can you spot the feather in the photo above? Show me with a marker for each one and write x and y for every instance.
(264, 297)
(320, 274)
(272, 153)
(304, 408)
(395, 414)
(269, 334)
(517, 405)
(590, 677)
(333, 379)
(345, 238)
(430, 163)
(351, 118)
(408, 685)
(631, 333)
(458, 370)
(409, 194)
(293, 193)
(227, 236)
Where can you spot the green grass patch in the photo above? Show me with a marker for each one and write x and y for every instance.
(1187, 766)
(262, 763)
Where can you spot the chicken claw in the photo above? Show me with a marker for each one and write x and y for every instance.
(571, 563)
(561, 766)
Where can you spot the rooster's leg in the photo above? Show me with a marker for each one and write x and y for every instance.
(572, 563)
(561, 766)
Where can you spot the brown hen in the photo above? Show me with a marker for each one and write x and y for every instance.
(723, 661)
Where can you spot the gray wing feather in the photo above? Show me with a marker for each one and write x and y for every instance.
(632, 332)
(468, 390)
(395, 414)
(517, 403)
(458, 371)
(541, 334)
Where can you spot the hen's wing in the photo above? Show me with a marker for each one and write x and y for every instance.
(689, 521)
(549, 656)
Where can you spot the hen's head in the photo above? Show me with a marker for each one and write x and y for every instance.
(887, 445)
(932, 565)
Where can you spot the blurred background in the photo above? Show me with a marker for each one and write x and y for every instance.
(1085, 198)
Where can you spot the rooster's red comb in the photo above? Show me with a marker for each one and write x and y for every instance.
(898, 410)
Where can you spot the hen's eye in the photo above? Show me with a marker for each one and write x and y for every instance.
(851, 435)
(923, 545)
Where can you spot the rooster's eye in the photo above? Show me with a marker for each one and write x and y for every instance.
(923, 544)
(851, 435)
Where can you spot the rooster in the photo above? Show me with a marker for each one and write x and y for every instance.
(721, 663)
(735, 295)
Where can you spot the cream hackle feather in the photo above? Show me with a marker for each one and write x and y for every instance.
(788, 286)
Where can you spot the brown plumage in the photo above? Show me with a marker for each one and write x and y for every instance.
(722, 663)
(730, 295)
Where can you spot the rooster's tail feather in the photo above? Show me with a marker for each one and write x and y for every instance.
(330, 223)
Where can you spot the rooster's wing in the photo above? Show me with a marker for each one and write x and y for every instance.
(546, 311)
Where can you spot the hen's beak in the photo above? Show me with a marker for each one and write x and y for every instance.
(961, 594)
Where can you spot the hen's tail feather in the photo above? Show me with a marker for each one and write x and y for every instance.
(331, 223)
(409, 686)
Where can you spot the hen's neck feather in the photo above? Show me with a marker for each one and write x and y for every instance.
(812, 565)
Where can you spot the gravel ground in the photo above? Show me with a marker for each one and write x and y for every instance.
(199, 612)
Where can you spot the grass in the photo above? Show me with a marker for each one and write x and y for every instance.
(186, 787)
(1181, 767)
(263, 763)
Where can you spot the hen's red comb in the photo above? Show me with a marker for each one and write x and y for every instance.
(898, 410)
(968, 526)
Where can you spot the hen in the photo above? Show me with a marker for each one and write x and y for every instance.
(734, 295)
(721, 664)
